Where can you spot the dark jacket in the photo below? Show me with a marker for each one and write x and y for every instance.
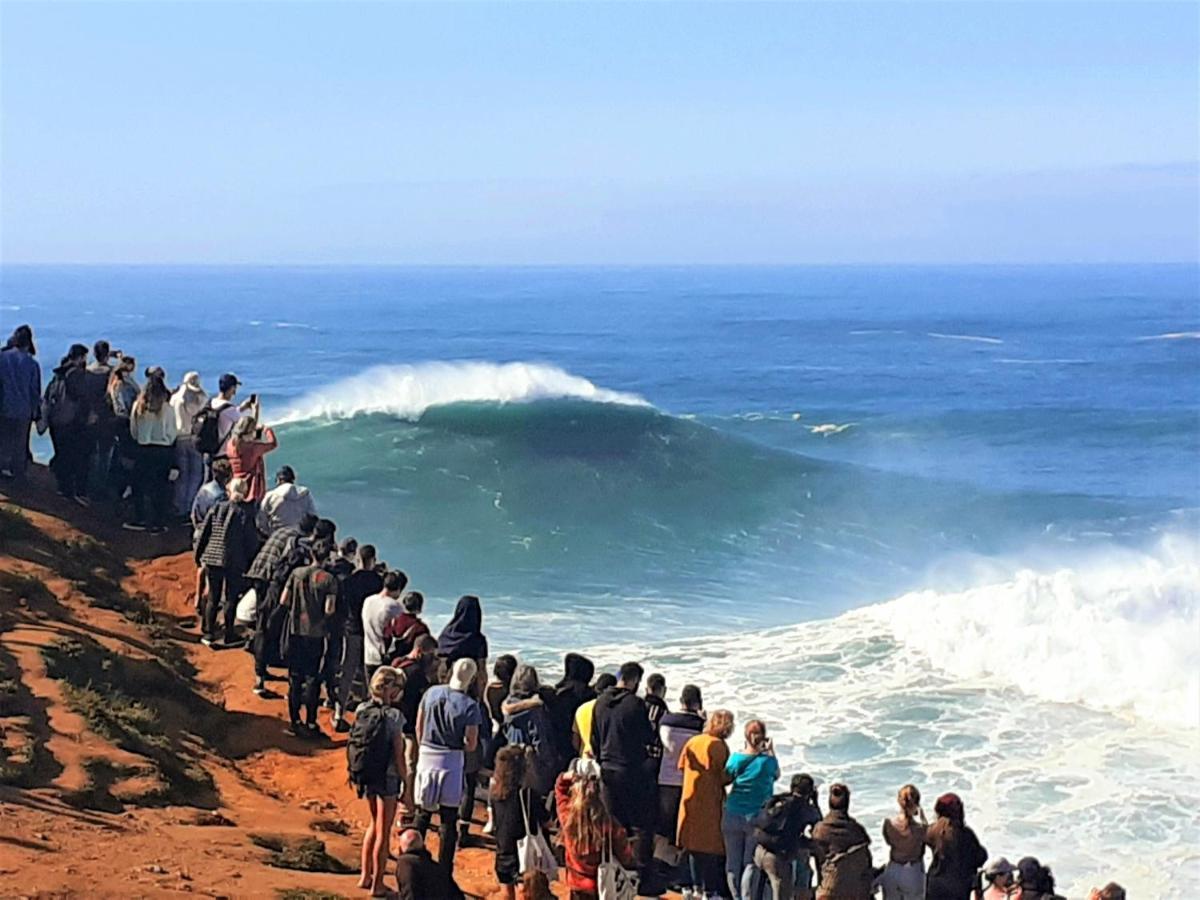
(228, 538)
(421, 878)
(532, 727)
(656, 708)
(20, 385)
(843, 852)
(781, 825)
(957, 860)
(621, 730)
(569, 694)
(273, 551)
(76, 392)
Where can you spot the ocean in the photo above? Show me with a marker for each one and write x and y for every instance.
(931, 524)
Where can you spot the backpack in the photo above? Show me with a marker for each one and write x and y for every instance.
(368, 749)
(774, 826)
(206, 429)
(57, 407)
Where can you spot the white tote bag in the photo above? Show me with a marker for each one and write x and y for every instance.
(613, 880)
(533, 853)
(247, 607)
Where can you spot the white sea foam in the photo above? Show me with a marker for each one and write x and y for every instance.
(408, 391)
(829, 428)
(1173, 336)
(1062, 705)
(979, 339)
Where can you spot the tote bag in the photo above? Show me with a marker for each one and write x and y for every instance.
(613, 880)
(533, 853)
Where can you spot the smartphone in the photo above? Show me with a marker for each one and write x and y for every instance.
(254, 398)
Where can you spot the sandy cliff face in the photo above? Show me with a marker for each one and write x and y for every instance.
(134, 761)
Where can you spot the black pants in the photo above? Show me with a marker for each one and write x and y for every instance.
(224, 591)
(447, 832)
(466, 809)
(14, 445)
(304, 669)
(151, 484)
(332, 664)
(72, 452)
(630, 798)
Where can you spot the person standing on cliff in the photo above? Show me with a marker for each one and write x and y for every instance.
(20, 398)
(311, 599)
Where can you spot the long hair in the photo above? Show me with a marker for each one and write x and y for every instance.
(509, 773)
(909, 799)
(950, 822)
(153, 397)
(756, 734)
(587, 822)
(524, 682)
(22, 339)
(243, 429)
(120, 371)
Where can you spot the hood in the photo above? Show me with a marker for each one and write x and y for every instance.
(578, 668)
(613, 697)
(290, 492)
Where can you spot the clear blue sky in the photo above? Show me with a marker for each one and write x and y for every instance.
(606, 133)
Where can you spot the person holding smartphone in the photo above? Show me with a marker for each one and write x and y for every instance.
(248, 445)
(752, 774)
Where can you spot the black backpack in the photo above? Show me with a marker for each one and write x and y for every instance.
(206, 429)
(368, 750)
(775, 826)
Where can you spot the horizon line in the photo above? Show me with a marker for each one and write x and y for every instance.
(280, 264)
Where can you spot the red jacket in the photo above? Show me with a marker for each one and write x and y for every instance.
(581, 870)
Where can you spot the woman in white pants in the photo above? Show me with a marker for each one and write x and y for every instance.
(904, 833)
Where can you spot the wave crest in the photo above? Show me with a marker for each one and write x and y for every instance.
(1116, 634)
(408, 391)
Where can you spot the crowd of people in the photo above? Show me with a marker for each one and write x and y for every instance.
(595, 776)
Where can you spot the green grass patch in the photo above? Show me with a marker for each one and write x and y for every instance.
(120, 698)
(306, 894)
(304, 854)
(15, 525)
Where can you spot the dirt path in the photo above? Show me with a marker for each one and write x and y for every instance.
(136, 762)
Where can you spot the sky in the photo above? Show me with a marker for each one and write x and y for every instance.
(605, 133)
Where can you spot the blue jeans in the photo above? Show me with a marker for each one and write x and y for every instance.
(190, 464)
(738, 833)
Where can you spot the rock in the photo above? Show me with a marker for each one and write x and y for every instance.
(42, 836)
(155, 870)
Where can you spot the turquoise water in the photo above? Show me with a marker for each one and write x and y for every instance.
(653, 460)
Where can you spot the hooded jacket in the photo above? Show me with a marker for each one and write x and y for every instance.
(843, 852)
(463, 638)
(20, 385)
(621, 730)
(284, 506)
(187, 401)
(569, 694)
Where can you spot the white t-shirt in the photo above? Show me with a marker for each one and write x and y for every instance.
(227, 418)
(378, 613)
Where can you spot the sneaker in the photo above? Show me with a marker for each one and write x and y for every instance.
(134, 526)
(329, 703)
(207, 641)
(314, 730)
(260, 688)
(341, 726)
(296, 730)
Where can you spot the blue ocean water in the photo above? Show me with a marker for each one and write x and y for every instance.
(754, 463)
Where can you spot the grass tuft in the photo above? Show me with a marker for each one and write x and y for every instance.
(304, 854)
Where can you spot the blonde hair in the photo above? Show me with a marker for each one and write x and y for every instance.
(719, 724)
(243, 428)
(909, 799)
(587, 821)
(238, 488)
(386, 684)
(756, 734)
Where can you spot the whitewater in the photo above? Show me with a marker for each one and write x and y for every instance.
(936, 525)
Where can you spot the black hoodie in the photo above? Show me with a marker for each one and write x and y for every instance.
(568, 695)
(621, 730)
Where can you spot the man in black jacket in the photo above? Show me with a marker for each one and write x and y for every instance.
(568, 695)
(418, 875)
(621, 738)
